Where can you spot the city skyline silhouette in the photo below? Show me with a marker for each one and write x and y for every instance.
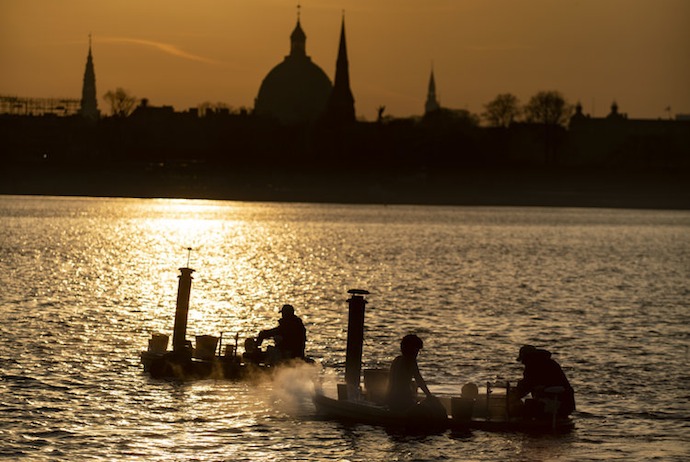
(632, 53)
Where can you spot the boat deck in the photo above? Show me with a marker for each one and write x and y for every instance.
(484, 413)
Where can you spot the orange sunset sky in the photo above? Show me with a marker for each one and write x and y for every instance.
(186, 52)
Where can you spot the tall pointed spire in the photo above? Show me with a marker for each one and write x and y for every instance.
(432, 103)
(89, 103)
(341, 105)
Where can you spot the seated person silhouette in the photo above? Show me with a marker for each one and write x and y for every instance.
(290, 335)
(544, 379)
(404, 378)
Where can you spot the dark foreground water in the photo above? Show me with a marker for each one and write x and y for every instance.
(83, 283)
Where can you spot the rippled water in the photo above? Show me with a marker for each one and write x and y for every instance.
(85, 281)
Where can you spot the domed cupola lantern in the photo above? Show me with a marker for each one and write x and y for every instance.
(298, 40)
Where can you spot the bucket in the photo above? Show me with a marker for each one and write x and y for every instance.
(461, 409)
(348, 393)
(158, 343)
(376, 384)
(205, 346)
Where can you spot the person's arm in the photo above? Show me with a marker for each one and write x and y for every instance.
(524, 386)
(264, 334)
(419, 380)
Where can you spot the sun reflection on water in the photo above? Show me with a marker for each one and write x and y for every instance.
(234, 261)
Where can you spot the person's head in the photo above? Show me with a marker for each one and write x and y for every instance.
(525, 352)
(410, 345)
(287, 310)
(250, 345)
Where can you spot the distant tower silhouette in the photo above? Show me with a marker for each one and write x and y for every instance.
(579, 116)
(89, 103)
(341, 105)
(614, 108)
(296, 91)
(614, 114)
(432, 104)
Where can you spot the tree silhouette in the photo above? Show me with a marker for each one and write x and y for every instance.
(548, 108)
(552, 111)
(121, 102)
(502, 111)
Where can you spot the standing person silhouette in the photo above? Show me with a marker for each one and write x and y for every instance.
(290, 335)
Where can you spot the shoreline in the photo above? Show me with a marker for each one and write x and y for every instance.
(471, 187)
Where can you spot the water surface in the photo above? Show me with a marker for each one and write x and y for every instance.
(85, 282)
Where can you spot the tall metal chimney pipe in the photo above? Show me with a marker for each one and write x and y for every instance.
(355, 340)
(184, 289)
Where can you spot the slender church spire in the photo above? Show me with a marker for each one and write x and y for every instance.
(89, 103)
(432, 104)
(341, 105)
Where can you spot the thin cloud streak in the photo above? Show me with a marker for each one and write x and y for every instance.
(497, 48)
(164, 47)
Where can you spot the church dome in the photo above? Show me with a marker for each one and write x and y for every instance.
(296, 90)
